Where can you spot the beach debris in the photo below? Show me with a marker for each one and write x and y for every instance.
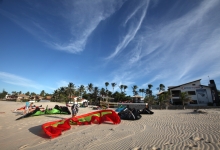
(196, 139)
(168, 143)
(155, 148)
(200, 111)
(111, 129)
(191, 145)
(136, 148)
(23, 146)
(207, 141)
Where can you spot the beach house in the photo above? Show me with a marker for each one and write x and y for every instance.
(199, 94)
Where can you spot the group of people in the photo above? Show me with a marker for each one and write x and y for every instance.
(29, 107)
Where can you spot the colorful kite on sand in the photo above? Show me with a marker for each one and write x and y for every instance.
(55, 128)
(48, 111)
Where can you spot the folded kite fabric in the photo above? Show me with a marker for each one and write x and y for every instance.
(55, 128)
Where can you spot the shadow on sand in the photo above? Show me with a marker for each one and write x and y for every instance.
(37, 130)
(56, 117)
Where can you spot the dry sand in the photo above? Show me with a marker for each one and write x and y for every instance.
(164, 130)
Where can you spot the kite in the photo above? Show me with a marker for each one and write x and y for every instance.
(120, 108)
(55, 128)
(129, 114)
(56, 110)
(23, 108)
(146, 111)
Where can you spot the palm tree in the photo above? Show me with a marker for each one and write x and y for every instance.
(95, 93)
(106, 85)
(28, 93)
(90, 89)
(121, 87)
(150, 100)
(42, 93)
(70, 90)
(55, 94)
(141, 91)
(125, 87)
(148, 91)
(184, 97)
(113, 85)
(134, 87)
(161, 99)
(109, 94)
(102, 92)
(14, 93)
(150, 86)
(164, 98)
(81, 89)
(161, 87)
(62, 92)
(167, 98)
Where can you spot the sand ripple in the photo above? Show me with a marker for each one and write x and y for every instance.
(164, 130)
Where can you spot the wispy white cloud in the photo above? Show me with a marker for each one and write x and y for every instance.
(84, 19)
(17, 80)
(131, 15)
(23, 82)
(175, 52)
(80, 19)
(132, 31)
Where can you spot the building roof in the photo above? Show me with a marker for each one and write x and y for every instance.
(172, 87)
(136, 96)
(106, 97)
(161, 92)
(23, 96)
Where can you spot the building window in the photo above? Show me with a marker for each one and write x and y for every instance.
(193, 84)
(177, 102)
(176, 93)
(191, 92)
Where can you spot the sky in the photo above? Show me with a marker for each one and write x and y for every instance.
(45, 45)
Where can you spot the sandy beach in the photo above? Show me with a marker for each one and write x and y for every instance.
(164, 130)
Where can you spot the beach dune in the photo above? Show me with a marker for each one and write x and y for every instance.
(165, 129)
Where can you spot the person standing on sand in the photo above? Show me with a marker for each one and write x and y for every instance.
(146, 105)
(31, 108)
(74, 109)
(27, 104)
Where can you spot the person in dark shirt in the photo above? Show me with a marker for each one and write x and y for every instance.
(74, 109)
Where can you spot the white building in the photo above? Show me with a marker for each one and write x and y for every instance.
(200, 94)
(137, 99)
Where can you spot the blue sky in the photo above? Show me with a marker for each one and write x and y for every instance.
(47, 44)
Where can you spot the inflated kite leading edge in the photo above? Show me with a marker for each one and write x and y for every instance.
(54, 129)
